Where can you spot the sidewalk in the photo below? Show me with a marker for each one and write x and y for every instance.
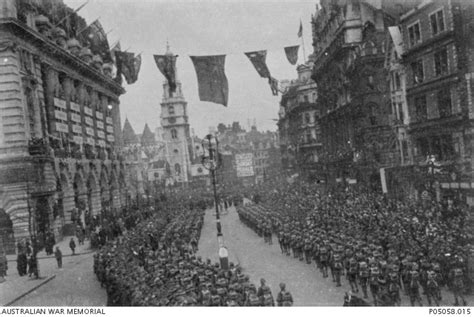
(15, 286)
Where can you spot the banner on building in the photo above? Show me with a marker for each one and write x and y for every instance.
(96, 39)
(128, 65)
(244, 164)
(167, 66)
(292, 54)
(212, 81)
(258, 59)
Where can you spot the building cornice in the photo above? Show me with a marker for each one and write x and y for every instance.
(49, 48)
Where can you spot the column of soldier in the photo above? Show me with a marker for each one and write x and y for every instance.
(383, 248)
(155, 264)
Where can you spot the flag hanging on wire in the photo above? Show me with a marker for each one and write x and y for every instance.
(258, 60)
(128, 65)
(292, 54)
(273, 85)
(95, 38)
(300, 31)
(167, 66)
(212, 82)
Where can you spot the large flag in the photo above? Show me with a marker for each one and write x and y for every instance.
(167, 66)
(212, 82)
(127, 65)
(292, 54)
(95, 38)
(300, 31)
(258, 60)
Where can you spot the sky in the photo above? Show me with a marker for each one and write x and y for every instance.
(216, 27)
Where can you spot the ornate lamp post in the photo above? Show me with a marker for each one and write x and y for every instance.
(210, 161)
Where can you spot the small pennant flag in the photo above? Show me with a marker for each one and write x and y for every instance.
(300, 31)
(292, 54)
(167, 66)
(212, 82)
(258, 60)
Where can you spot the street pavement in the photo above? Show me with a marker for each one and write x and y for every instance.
(261, 260)
(73, 285)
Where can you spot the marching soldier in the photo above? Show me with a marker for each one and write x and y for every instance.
(394, 289)
(414, 286)
(323, 259)
(457, 285)
(284, 297)
(337, 268)
(432, 288)
(364, 277)
(352, 274)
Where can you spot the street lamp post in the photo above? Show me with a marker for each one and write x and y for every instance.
(210, 161)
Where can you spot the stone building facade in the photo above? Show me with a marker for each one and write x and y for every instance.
(353, 92)
(298, 124)
(60, 129)
(437, 57)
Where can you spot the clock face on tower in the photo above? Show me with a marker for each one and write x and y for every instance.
(172, 120)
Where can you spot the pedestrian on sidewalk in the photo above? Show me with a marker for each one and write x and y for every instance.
(3, 266)
(33, 266)
(59, 257)
(72, 245)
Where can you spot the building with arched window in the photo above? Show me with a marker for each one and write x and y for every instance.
(60, 134)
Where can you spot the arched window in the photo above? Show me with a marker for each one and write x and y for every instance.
(171, 110)
(177, 169)
(174, 134)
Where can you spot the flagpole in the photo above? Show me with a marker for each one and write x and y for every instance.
(82, 30)
(302, 40)
(75, 11)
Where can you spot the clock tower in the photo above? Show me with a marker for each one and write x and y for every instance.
(176, 131)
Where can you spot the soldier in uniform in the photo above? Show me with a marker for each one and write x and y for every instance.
(352, 272)
(374, 283)
(323, 259)
(307, 249)
(337, 268)
(265, 294)
(394, 288)
(284, 297)
(364, 277)
(432, 288)
(414, 287)
(457, 285)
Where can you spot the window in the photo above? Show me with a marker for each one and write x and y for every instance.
(441, 62)
(444, 103)
(418, 74)
(437, 22)
(414, 34)
(398, 84)
(420, 108)
(306, 99)
(307, 118)
(171, 110)
(174, 134)
(177, 169)
(401, 115)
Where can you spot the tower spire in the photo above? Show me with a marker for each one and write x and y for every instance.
(168, 51)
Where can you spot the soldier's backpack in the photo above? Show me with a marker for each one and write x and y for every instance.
(287, 300)
(253, 300)
(267, 299)
(215, 300)
(206, 297)
(323, 254)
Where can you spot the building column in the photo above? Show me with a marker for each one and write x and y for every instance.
(95, 206)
